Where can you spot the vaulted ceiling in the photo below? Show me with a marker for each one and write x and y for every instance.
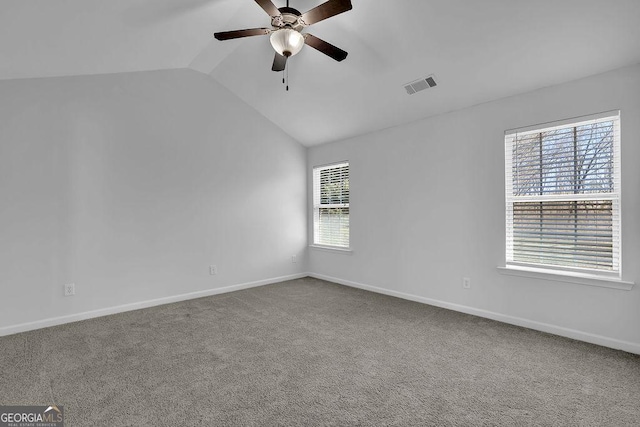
(478, 50)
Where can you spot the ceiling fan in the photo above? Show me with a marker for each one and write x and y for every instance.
(287, 24)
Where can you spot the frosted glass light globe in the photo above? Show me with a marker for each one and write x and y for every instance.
(287, 42)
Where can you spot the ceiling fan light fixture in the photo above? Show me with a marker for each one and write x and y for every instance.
(286, 41)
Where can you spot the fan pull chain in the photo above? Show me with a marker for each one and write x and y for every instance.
(285, 78)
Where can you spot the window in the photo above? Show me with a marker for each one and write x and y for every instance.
(563, 195)
(331, 205)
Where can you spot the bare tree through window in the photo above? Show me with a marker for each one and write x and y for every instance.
(563, 203)
(331, 205)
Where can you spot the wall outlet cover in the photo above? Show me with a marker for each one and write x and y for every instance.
(69, 289)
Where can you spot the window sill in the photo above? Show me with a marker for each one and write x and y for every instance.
(559, 276)
(345, 251)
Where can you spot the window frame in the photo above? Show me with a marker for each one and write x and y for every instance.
(317, 205)
(529, 268)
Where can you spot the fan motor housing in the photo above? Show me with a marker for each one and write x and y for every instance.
(289, 17)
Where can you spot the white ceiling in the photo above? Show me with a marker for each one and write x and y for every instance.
(479, 50)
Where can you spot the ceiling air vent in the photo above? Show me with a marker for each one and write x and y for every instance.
(420, 84)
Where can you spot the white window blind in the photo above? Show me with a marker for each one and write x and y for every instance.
(563, 195)
(331, 205)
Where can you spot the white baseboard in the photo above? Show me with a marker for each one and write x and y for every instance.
(627, 346)
(518, 321)
(53, 321)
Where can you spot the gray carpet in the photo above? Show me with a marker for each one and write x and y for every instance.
(308, 352)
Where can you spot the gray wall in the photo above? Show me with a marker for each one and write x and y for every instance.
(427, 208)
(131, 185)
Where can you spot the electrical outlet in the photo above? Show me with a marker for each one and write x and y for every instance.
(213, 270)
(466, 283)
(293, 259)
(69, 289)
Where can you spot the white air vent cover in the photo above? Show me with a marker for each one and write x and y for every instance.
(420, 84)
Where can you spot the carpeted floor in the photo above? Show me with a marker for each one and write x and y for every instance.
(308, 352)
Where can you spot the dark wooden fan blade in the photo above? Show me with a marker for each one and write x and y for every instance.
(326, 10)
(227, 35)
(268, 7)
(324, 47)
(279, 62)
